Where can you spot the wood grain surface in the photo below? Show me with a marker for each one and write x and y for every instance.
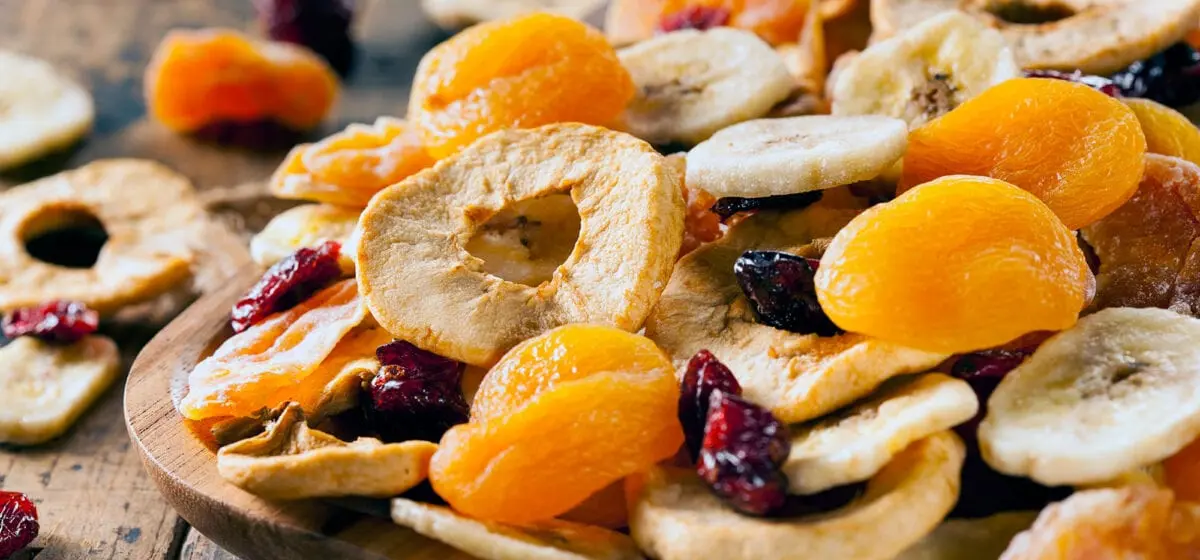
(93, 496)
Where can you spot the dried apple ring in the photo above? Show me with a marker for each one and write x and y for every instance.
(148, 213)
(423, 286)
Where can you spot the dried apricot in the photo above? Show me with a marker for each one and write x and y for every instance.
(1167, 131)
(958, 264)
(776, 21)
(205, 76)
(1145, 247)
(349, 167)
(1181, 472)
(523, 72)
(1078, 150)
(531, 452)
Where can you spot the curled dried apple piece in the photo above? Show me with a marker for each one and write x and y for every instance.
(251, 367)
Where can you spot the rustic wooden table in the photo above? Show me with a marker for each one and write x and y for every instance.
(92, 495)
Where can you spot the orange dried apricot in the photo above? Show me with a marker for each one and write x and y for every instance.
(200, 77)
(1181, 472)
(1167, 131)
(561, 417)
(958, 264)
(1078, 150)
(1146, 247)
(349, 167)
(248, 371)
(523, 73)
(606, 508)
(776, 21)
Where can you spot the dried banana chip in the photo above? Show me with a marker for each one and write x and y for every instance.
(548, 540)
(292, 461)
(44, 388)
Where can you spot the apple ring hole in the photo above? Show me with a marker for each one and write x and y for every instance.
(67, 236)
(1027, 12)
(526, 243)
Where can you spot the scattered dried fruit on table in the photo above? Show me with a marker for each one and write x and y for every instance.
(35, 406)
(349, 167)
(1167, 131)
(1118, 391)
(44, 110)
(527, 438)
(200, 77)
(1076, 149)
(740, 458)
(287, 283)
(307, 225)
(321, 25)
(519, 73)
(253, 368)
(1145, 247)
(422, 286)
(57, 321)
(18, 523)
(704, 375)
(998, 265)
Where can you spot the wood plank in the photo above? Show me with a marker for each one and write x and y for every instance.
(198, 547)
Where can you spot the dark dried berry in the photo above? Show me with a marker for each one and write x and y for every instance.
(822, 502)
(259, 135)
(57, 321)
(320, 25)
(782, 293)
(743, 450)
(985, 492)
(18, 523)
(1098, 83)
(694, 17)
(704, 375)
(289, 282)
(730, 205)
(1171, 77)
(983, 371)
(415, 395)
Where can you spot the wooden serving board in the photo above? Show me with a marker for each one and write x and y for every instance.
(185, 469)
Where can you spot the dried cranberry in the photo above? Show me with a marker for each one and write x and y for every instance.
(18, 523)
(694, 17)
(1098, 83)
(258, 135)
(743, 450)
(730, 205)
(57, 321)
(781, 290)
(1171, 77)
(415, 395)
(704, 375)
(287, 283)
(321, 25)
(983, 371)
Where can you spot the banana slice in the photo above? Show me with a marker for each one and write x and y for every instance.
(456, 14)
(674, 516)
(924, 72)
(694, 83)
(45, 388)
(41, 110)
(852, 445)
(307, 225)
(1119, 390)
(547, 540)
(969, 539)
(289, 461)
(770, 157)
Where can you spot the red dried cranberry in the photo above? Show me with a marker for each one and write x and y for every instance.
(415, 395)
(321, 25)
(728, 206)
(18, 523)
(1171, 77)
(704, 375)
(259, 135)
(694, 17)
(1098, 83)
(781, 290)
(743, 450)
(983, 371)
(287, 283)
(57, 321)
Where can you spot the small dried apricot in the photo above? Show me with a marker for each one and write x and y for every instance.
(1078, 150)
(958, 264)
(523, 72)
(1145, 247)
(205, 76)
(1167, 131)
(561, 417)
(349, 167)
